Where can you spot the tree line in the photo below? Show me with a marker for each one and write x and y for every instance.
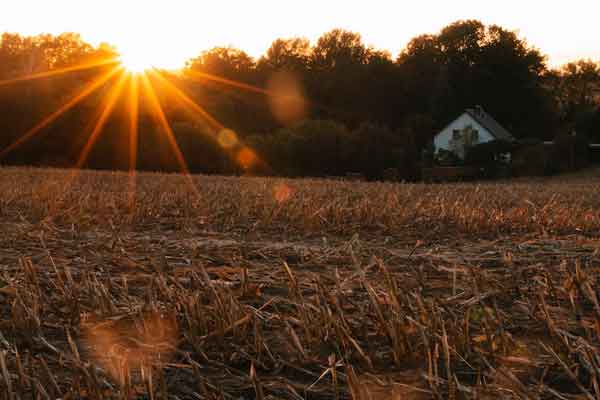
(328, 108)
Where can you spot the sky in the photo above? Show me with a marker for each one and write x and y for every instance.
(166, 33)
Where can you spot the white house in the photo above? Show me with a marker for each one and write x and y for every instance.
(473, 127)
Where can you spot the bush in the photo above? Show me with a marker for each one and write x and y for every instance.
(569, 153)
(487, 153)
(377, 149)
(310, 148)
(530, 161)
(447, 158)
(489, 157)
(327, 148)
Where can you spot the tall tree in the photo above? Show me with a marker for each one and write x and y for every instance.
(286, 54)
(225, 62)
(576, 87)
(469, 64)
(339, 48)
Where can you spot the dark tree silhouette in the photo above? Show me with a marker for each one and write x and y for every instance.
(286, 54)
(365, 112)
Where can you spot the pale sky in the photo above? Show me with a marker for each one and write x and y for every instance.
(166, 33)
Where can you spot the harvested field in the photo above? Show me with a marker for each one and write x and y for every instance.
(240, 288)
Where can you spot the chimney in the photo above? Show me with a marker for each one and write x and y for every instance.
(479, 110)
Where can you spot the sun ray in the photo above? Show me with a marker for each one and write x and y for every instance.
(85, 92)
(244, 156)
(113, 96)
(59, 71)
(133, 108)
(187, 101)
(109, 103)
(200, 76)
(164, 123)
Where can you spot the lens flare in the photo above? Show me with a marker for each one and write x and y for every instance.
(126, 347)
(282, 193)
(247, 158)
(287, 98)
(227, 139)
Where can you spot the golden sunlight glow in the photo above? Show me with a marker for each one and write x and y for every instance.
(175, 31)
(136, 63)
(142, 53)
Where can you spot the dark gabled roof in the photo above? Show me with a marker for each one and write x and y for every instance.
(489, 123)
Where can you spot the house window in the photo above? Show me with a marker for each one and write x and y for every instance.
(456, 134)
(475, 137)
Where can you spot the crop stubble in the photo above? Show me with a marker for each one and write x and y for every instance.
(274, 288)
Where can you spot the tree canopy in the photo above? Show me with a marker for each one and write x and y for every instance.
(360, 109)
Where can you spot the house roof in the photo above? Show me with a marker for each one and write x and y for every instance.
(489, 123)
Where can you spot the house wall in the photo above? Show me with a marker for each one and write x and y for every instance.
(442, 139)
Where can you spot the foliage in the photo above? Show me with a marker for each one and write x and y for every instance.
(576, 87)
(489, 153)
(327, 148)
(226, 62)
(468, 63)
(491, 156)
(286, 55)
(446, 158)
(339, 49)
(531, 161)
(569, 153)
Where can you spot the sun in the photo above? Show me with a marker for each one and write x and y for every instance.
(136, 63)
(139, 56)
